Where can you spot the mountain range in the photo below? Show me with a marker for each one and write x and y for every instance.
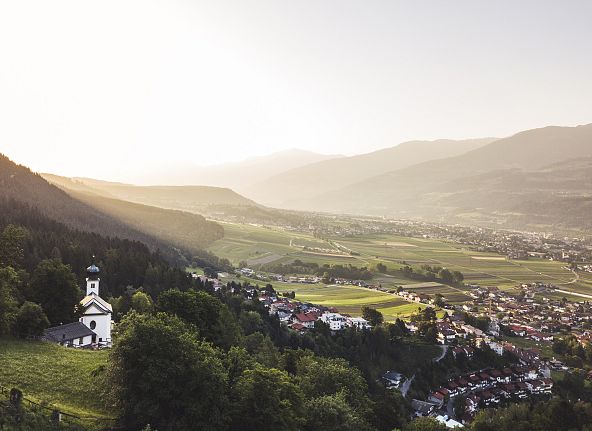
(295, 187)
(516, 181)
(521, 181)
(236, 175)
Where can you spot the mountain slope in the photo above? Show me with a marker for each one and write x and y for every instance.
(19, 183)
(294, 187)
(487, 177)
(236, 175)
(194, 199)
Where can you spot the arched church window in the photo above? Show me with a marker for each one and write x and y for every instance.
(93, 324)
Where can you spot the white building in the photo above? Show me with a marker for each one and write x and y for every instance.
(335, 321)
(358, 322)
(97, 312)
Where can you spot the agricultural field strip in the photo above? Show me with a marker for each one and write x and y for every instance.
(424, 255)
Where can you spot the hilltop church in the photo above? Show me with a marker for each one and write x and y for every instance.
(94, 326)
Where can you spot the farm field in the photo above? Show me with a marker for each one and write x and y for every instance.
(350, 299)
(261, 244)
(486, 269)
(258, 245)
(54, 375)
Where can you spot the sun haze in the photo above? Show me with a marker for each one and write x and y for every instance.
(114, 89)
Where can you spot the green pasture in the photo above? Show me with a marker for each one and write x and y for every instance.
(351, 299)
(55, 376)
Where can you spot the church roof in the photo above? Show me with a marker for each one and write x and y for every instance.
(93, 269)
(100, 302)
(68, 332)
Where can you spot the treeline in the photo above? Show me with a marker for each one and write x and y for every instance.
(326, 271)
(214, 349)
(432, 273)
(575, 353)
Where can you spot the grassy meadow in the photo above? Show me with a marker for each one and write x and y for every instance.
(55, 375)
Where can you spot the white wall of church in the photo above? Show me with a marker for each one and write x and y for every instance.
(102, 328)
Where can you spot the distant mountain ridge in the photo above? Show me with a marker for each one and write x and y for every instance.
(236, 175)
(502, 180)
(293, 188)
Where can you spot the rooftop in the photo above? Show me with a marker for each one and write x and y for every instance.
(67, 332)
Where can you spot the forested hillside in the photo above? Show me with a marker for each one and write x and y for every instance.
(27, 238)
(188, 233)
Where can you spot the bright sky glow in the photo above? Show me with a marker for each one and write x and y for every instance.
(112, 88)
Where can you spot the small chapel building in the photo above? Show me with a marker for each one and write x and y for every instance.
(96, 312)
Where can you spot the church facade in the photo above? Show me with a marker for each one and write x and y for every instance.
(96, 312)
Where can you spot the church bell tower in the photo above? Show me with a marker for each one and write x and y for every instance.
(92, 280)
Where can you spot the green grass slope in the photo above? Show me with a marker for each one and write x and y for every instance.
(55, 375)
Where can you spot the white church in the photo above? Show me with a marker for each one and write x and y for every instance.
(97, 312)
(94, 326)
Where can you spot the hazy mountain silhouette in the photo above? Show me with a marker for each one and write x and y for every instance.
(486, 179)
(292, 187)
(238, 175)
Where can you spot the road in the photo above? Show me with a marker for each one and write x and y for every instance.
(567, 292)
(405, 386)
(444, 350)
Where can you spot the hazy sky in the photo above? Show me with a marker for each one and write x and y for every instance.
(111, 88)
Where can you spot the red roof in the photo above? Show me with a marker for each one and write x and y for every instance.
(302, 317)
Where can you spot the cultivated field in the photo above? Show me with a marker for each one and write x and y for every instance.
(260, 245)
(350, 299)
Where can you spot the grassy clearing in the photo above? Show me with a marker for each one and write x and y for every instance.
(54, 375)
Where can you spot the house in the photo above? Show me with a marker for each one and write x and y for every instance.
(547, 385)
(496, 347)
(358, 322)
(335, 321)
(305, 319)
(534, 386)
(72, 335)
(422, 408)
(450, 423)
(96, 312)
(436, 398)
(453, 389)
(392, 379)
(472, 403)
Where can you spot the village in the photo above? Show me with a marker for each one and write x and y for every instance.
(520, 325)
